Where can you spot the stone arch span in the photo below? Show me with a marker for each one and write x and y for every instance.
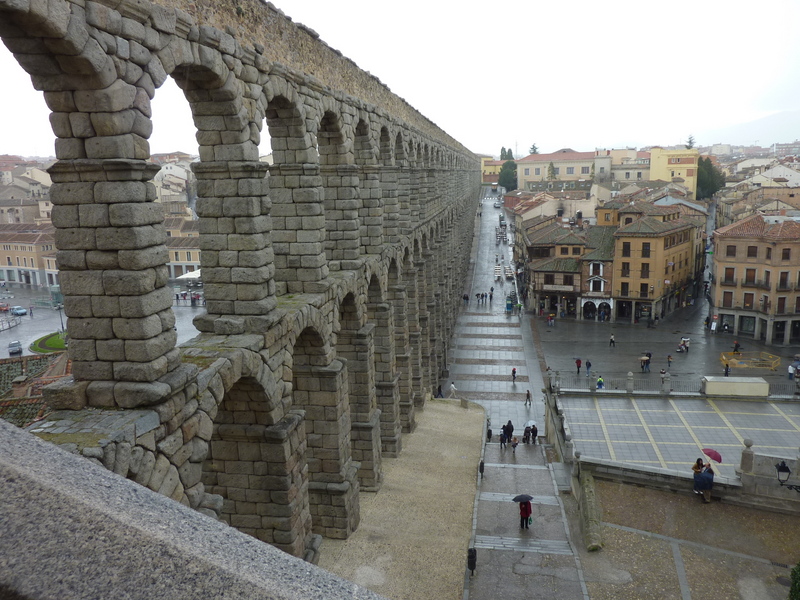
(329, 275)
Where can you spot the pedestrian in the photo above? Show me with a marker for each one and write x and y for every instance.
(465, 297)
(588, 368)
(509, 430)
(453, 389)
(669, 360)
(704, 482)
(736, 347)
(611, 341)
(791, 372)
(663, 374)
(600, 383)
(534, 434)
(528, 398)
(647, 365)
(727, 369)
(514, 375)
(491, 295)
(525, 512)
(578, 364)
(439, 393)
(503, 438)
(31, 310)
(641, 364)
(697, 468)
(514, 444)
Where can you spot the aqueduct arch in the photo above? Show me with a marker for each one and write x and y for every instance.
(332, 278)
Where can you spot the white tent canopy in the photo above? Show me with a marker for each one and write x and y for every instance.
(190, 275)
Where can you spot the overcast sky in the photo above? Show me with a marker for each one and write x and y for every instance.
(573, 73)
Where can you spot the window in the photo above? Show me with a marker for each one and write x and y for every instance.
(628, 220)
(626, 269)
(727, 299)
(730, 251)
(596, 269)
(750, 276)
(564, 250)
(24, 261)
(608, 217)
(643, 290)
(748, 300)
(626, 248)
(576, 250)
(645, 270)
(767, 282)
(752, 252)
(18, 261)
(781, 305)
(639, 175)
(786, 254)
(549, 279)
(537, 171)
(177, 256)
(597, 286)
(527, 171)
(674, 161)
(556, 170)
(584, 170)
(769, 253)
(783, 280)
(570, 170)
(729, 275)
(624, 289)
(8, 261)
(627, 174)
(569, 279)
(189, 256)
(645, 249)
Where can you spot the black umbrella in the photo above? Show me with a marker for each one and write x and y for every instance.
(522, 498)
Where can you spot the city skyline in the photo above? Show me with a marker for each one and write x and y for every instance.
(492, 81)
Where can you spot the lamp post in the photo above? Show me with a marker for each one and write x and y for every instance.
(61, 320)
(783, 471)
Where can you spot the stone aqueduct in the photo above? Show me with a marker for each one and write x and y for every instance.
(332, 278)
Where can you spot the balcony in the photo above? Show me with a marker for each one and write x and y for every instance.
(625, 273)
(733, 281)
(784, 286)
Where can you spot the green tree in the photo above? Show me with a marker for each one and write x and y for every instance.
(709, 179)
(690, 142)
(503, 153)
(508, 175)
(551, 171)
(534, 149)
(509, 154)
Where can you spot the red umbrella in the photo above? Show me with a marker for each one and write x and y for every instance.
(712, 454)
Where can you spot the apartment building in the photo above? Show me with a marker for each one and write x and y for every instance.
(668, 165)
(27, 255)
(566, 165)
(755, 286)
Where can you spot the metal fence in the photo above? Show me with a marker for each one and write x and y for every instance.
(785, 389)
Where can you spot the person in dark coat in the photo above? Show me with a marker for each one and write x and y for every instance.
(525, 511)
(534, 434)
(704, 481)
(509, 427)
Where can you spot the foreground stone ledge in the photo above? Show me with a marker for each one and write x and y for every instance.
(103, 532)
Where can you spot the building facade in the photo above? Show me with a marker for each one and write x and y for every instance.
(755, 287)
(668, 165)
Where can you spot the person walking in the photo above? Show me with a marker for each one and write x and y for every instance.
(439, 393)
(578, 364)
(453, 389)
(600, 383)
(647, 365)
(514, 444)
(588, 368)
(525, 511)
(534, 434)
(509, 427)
(528, 398)
(30, 311)
(663, 374)
(669, 360)
(791, 372)
(611, 341)
(727, 369)
(514, 375)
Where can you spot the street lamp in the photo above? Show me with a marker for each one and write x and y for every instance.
(783, 472)
(58, 308)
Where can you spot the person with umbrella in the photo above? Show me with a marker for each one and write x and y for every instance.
(525, 509)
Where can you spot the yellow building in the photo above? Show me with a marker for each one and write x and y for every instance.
(26, 254)
(667, 165)
(658, 255)
(755, 287)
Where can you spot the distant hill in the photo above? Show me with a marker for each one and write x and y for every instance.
(782, 127)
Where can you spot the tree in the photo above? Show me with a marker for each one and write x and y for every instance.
(508, 175)
(509, 154)
(551, 171)
(534, 149)
(503, 153)
(709, 179)
(690, 142)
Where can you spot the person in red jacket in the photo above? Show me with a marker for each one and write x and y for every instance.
(525, 511)
(578, 364)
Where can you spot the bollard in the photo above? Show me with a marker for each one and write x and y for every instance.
(480, 468)
(472, 560)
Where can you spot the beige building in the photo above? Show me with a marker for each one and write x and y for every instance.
(680, 164)
(755, 285)
(566, 165)
(27, 255)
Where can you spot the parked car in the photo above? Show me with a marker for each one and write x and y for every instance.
(497, 205)
(15, 347)
(4, 307)
(18, 311)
